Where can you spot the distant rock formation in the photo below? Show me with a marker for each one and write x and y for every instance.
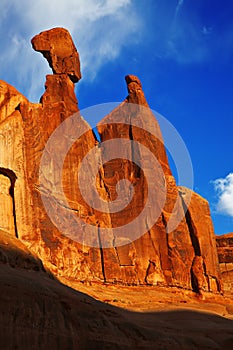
(186, 257)
(225, 255)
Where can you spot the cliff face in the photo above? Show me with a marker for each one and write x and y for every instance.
(185, 257)
(225, 255)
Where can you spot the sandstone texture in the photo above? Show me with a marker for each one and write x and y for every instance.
(58, 48)
(186, 257)
(225, 255)
(205, 265)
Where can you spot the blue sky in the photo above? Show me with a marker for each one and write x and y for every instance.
(182, 50)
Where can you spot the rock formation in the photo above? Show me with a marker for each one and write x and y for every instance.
(58, 48)
(185, 257)
(225, 256)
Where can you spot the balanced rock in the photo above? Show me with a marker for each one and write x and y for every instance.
(58, 48)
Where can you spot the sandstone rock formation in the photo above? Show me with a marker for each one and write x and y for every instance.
(225, 255)
(205, 265)
(58, 48)
(185, 257)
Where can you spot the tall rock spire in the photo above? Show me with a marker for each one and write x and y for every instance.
(185, 257)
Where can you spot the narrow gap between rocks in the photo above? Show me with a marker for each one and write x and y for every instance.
(96, 134)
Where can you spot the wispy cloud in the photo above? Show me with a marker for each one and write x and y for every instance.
(99, 28)
(180, 33)
(188, 39)
(224, 190)
(180, 3)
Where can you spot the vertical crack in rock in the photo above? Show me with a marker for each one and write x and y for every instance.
(192, 230)
(197, 270)
(101, 254)
(14, 209)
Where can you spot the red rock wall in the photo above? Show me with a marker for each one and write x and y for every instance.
(185, 257)
(225, 255)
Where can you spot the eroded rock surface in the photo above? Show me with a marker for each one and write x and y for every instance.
(225, 255)
(185, 257)
(205, 267)
(58, 48)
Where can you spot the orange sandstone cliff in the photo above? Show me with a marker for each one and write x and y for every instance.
(186, 257)
(225, 255)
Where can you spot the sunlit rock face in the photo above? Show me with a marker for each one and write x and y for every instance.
(185, 257)
(6, 211)
(58, 48)
(225, 255)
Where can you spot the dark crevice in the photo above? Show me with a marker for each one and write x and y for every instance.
(131, 132)
(164, 221)
(151, 266)
(101, 255)
(17, 108)
(195, 245)
(194, 281)
(12, 177)
(192, 230)
(206, 275)
(219, 287)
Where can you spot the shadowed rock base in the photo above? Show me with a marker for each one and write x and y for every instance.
(38, 312)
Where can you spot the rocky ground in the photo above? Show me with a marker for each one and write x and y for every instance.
(39, 312)
(155, 298)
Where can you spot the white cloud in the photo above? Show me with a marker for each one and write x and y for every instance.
(99, 28)
(224, 189)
